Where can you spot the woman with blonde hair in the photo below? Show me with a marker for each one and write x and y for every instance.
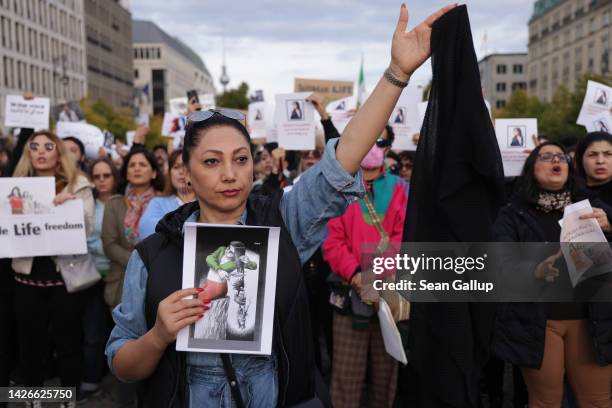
(41, 298)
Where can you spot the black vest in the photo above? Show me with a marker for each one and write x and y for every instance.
(162, 254)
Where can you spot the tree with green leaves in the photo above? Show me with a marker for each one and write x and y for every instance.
(236, 98)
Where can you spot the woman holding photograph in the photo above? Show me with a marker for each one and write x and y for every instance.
(551, 340)
(176, 193)
(41, 298)
(220, 169)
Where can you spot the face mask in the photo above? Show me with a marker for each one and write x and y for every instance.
(374, 158)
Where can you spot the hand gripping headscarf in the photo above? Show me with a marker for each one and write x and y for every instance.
(455, 191)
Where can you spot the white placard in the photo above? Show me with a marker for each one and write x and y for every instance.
(405, 119)
(174, 126)
(22, 113)
(515, 140)
(91, 136)
(295, 122)
(236, 267)
(390, 333)
(584, 245)
(596, 111)
(338, 111)
(30, 225)
(260, 119)
(178, 106)
(129, 137)
(142, 120)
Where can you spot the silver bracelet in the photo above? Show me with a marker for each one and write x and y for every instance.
(390, 76)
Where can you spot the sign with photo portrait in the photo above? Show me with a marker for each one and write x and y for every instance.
(515, 138)
(405, 119)
(295, 124)
(596, 112)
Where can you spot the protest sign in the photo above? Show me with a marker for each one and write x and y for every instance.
(340, 111)
(329, 90)
(173, 126)
(405, 119)
(596, 111)
(236, 267)
(142, 120)
(22, 113)
(584, 245)
(260, 120)
(178, 106)
(91, 136)
(68, 112)
(294, 118)
(30, 225)
(515, 138)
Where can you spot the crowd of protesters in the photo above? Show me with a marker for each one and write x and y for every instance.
(350, 190)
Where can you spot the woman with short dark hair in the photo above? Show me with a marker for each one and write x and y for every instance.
(550, 340)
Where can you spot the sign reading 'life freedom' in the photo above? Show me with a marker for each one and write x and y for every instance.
(30, 225)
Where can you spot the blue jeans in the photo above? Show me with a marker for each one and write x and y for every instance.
(256, 375)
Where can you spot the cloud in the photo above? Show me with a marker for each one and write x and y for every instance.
(269, 43)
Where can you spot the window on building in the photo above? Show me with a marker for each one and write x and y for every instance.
(5, 66)
(591, 56)
(578, 32)
(500, 87)
(135, 73)
(500, 103)
(605, 19)
(593, 25)
(501, 69)
(517, 68)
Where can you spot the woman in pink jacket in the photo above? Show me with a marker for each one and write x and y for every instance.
(356, 332)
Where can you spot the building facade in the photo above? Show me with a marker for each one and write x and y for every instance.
(108, 28)
(567, 39)
(43, 49)
(164, 68)
(502, 74)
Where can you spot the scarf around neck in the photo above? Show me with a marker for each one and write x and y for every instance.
(549, 201)
(136, 204)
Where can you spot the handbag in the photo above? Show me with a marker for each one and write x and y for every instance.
(78, 271)
(399, 306)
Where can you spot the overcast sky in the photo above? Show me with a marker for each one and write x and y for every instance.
(269, 43)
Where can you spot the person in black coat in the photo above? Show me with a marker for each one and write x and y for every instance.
(548, 340)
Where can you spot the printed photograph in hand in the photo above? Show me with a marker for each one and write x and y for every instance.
(230, 267)
(295, 110)
(516, 136)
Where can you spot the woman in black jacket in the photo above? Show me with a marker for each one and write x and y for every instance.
(548, 340)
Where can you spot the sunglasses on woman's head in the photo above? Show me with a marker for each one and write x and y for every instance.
(380, 142)
(34, 146)
(200, 116)
(549, 157)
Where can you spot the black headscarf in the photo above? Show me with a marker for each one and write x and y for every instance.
(455, 191)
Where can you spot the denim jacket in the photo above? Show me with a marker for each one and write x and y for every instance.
(305, 214)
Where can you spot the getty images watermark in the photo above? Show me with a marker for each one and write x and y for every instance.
(490, 271)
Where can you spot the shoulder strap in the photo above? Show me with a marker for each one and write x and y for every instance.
(384, 237)
(233, 381)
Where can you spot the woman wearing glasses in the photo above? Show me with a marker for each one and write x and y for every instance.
(41, 298)
(220, 168)
(548, 340)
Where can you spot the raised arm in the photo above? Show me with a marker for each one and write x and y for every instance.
(409, 50)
